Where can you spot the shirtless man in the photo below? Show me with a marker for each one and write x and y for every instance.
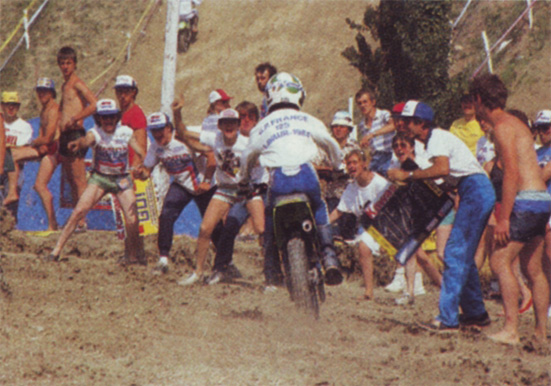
(524, 213)
(44, 146)
(77, 103)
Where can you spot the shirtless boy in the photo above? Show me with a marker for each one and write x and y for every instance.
(77, 103)
(44, 146)
(524, 213)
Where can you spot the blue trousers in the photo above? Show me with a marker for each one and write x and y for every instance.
(305, 181)
(460, 281)
(175, 201)
(235, 219)
(380, 162)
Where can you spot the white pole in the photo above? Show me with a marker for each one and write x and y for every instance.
(462, 13)
(169, 64)
(530, 14)
(488, 51)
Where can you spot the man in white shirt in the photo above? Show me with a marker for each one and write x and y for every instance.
(286, 142)
(451, 157)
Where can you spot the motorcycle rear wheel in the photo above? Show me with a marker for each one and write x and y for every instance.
(303, 292)
(184, 40)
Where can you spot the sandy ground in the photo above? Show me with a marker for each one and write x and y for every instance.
(86, 320)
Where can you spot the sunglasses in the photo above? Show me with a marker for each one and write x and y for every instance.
(542, 128)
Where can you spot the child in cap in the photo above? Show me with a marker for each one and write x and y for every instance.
(188, 182)
(18, 133)
(228, 146)
(110, 174)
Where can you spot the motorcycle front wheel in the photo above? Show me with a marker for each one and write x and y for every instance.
(303, 292)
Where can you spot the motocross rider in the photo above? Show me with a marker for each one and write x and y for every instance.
(286, 141)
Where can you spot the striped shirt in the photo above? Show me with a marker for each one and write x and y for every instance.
(381, 142)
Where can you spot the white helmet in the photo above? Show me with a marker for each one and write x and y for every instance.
(284, 88)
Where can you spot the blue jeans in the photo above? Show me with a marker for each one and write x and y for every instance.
(305, 181)
(460, 282)
(380, 162)
(237, 216)
(176, 200)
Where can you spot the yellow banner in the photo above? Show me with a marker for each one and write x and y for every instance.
(383, 242)
(146, 202)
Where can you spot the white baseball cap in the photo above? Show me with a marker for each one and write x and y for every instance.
(157, 121)
(218, 95)
(106, 107)
(125, 81)
(543, 117)
(342, 118)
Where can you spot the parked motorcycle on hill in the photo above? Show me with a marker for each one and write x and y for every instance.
(187, 32)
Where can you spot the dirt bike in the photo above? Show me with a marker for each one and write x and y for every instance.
(186, 36)
(297, 240)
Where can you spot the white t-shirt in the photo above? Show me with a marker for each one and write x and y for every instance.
(357, 200)
(462, 162)
(178, 161)
(228, 158)
(111, 150)
(18, 133)
(289, 138)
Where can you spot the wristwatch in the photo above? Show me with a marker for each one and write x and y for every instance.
(410, 176)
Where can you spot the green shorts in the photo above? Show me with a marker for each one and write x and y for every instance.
(9, 165)
(111, 184)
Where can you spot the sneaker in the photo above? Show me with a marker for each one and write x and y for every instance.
(189, 280)
(438, 327)
(404, 300)
(475, 321)
(418, 288)
(215, 278)
(398, 283)
(232, 272)
(161, 267)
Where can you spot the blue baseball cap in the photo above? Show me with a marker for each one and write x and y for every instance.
(416, 109)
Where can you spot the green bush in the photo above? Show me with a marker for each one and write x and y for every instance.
(413, 58)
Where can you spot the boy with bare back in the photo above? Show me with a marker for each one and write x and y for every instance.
(77, 103)
(45, 146)
(524, 213)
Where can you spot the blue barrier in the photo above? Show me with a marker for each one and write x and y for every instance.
(32, 217)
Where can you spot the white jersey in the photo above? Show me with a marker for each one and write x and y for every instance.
(111, 150)
(289, 138)
(357, 199)
(462, 162)
(228, 158)
(18, 133)
(178, 161)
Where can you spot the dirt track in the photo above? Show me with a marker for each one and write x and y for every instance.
(88, 321)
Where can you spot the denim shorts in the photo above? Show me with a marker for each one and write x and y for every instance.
(530, 215)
